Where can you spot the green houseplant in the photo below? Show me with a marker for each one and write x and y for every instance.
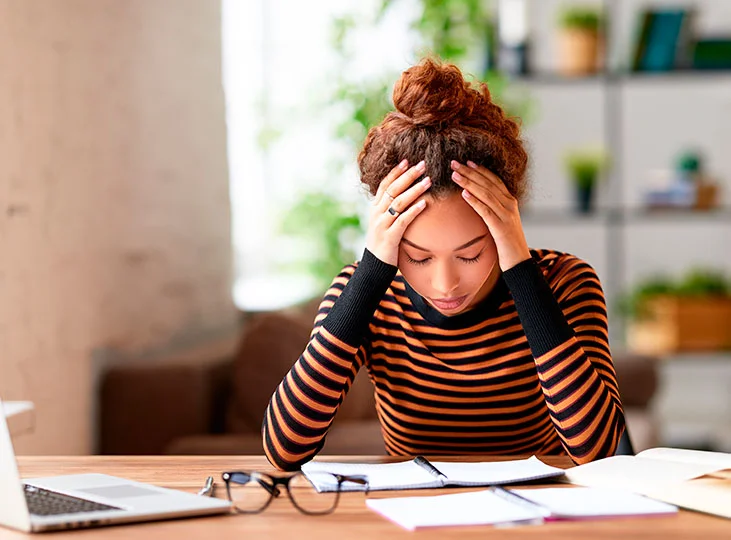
(580, 41)
(585, 168)
(691, 313)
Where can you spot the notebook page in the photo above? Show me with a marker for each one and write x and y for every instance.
(595, 502)
(381, 476)
(475, 508)
(496, 472)
(717, 459)
(634, 473)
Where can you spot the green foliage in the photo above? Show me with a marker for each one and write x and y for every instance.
(450, 28)
(581, 17)
(585, 166)
(369, 102)
(697, 282)
(703, 282)
(324, 219)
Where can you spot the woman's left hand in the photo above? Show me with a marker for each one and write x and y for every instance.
(489, 197)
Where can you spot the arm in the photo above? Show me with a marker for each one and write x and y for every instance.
(305, 403)
(566, 326)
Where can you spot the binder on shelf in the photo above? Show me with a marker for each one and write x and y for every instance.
(663, 40)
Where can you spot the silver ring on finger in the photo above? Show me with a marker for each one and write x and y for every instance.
(393, 211)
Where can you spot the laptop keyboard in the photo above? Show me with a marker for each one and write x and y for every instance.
(42, 502)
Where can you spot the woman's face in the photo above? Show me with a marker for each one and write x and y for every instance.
(448, 256)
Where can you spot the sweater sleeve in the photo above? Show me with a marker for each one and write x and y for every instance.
(564, 317)
(305, 403)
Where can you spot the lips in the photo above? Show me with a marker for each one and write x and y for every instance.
(449, 303)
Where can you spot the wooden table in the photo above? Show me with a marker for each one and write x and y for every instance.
(350, 520)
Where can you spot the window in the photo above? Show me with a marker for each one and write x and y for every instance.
(279, 71)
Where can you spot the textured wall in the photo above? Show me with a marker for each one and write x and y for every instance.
(114, 210)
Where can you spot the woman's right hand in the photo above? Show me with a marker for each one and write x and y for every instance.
(394, 209)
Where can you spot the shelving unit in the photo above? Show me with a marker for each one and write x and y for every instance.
(617, 219)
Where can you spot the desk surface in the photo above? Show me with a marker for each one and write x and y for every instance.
(351, 519)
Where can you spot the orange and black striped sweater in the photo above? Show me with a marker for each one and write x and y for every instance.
(527, 371)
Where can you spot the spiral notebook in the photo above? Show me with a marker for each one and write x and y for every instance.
(421, 473)
(497, 506)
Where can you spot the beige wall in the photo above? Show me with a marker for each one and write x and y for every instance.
(114, 213)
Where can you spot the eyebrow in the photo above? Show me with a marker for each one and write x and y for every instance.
(463, 246)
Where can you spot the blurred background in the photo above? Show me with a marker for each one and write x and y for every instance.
(178, 187)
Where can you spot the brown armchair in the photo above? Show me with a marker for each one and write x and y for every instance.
(212, 399)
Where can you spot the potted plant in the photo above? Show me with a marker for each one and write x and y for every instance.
(692, 314)
(585, 167)
(580, 40)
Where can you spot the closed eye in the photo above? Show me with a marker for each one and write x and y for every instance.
(472, 260)
(417, 261)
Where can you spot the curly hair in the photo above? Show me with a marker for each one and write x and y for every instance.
(440, 117)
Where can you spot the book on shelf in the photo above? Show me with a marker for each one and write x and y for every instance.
(421, 473)
(663, 40)
(692, 479)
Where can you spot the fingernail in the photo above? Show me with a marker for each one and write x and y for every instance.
(421, 204)
(455, 164)
(456, 176)
(466, 194)
(421, 166)
(472, 164)
(426, 181)
(404, 164)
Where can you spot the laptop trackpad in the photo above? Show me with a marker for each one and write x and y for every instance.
(122, 491)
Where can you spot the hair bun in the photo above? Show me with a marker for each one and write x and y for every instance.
(434, 94)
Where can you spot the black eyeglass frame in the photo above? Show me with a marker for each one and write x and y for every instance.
(272, 483)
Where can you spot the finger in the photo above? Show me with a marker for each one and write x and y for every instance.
(488, 215)
(401, 184)
(493, 178)
(484, 194)
(406, 199)
(481, 177)
(404, 220)
(390, 177)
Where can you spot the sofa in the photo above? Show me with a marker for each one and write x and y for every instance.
(210, 399)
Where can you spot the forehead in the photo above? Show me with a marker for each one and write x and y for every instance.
(445, 224)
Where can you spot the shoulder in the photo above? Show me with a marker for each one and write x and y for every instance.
(561, 269)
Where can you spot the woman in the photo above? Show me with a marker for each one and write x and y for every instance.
(475, 343)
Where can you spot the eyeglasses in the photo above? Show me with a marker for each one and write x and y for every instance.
(251, 492)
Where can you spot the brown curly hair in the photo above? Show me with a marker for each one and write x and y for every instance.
(440, 117)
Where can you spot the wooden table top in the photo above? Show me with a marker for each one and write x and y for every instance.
(352, 519)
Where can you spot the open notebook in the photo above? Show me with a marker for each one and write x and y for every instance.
(420, 473)
(688, 478)
(502, 507)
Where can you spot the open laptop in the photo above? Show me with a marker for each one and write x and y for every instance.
(87, 500)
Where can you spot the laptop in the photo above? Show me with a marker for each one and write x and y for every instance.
(87, 500)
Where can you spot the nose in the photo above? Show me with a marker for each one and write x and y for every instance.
(445, 279)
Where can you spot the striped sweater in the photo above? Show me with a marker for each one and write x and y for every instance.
(527, 371)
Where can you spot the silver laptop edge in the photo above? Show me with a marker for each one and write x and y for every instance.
(137, 501)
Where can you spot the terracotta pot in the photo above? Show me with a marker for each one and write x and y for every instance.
(579, 52)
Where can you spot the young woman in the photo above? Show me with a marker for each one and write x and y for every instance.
(475, 344)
